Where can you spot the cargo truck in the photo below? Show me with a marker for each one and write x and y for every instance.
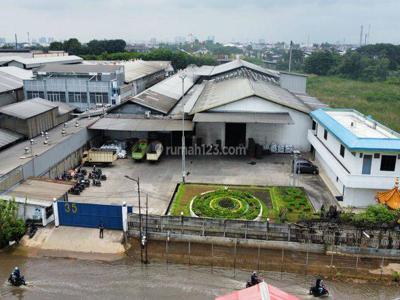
(99, 156)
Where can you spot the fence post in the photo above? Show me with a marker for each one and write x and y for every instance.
(204, 226)
(55, 212)
(125, 220)
(212, 257)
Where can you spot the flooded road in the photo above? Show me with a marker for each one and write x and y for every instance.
(56, 278)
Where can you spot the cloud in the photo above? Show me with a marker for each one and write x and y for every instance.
(321, 20)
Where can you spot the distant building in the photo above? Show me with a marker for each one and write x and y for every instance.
(358, 156)
(30, 63)
(81, 85)
(11, 84)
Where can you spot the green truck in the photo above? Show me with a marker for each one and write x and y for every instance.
(139, 150)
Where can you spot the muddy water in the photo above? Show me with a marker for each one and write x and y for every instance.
(56, 278)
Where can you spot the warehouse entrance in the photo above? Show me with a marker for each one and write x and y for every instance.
(235, 134)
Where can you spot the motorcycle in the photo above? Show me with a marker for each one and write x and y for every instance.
(250, 284)
(13, 280)
(319, 292)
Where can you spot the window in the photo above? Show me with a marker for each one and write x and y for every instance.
(341, 150)
(31, 95)
(388, 162)
(325, 134)
(100, 98)
(314, 125)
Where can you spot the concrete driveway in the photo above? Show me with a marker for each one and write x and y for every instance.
(159, 180)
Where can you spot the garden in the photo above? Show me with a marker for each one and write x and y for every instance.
(279, 204)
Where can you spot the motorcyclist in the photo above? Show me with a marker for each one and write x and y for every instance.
(17, 273)
(254, 278)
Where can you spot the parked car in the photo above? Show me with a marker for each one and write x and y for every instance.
(304, 166)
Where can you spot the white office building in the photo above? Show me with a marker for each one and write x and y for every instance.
(357, 155)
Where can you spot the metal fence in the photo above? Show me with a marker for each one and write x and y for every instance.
(328, 234)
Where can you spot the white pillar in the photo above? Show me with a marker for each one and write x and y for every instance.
(124, 217)
(44, 220)
(55, 212)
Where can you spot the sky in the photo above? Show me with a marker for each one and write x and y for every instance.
(226, 20)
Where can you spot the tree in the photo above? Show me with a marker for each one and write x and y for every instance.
(297, 61)
(320, 62)
(11, 227)
(73, 46)
(56, 46)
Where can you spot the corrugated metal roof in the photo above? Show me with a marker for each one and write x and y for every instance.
(8, 137)
(25, 109)
(244, 117)
(29, 108)
(164, 95)
(235, 64)
(141, 124)
(79, 68)
(37, 61)
(140, 68)
(11, 78)
(218, 93)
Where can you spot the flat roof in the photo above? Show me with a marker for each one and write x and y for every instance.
(134, 123)
(357, 131)
(244, 117)
(41, 189)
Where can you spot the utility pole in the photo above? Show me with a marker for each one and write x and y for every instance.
(16, 42)
(361, 35)
(183, 76)
(140, 215)
(290, 56)
(147, 237)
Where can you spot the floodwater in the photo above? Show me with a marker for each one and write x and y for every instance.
(57, 278)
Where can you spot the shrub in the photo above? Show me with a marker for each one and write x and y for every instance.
(11, 227)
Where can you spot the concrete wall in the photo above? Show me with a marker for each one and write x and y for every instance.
(11, 97)
(210, 132)
(359, 197)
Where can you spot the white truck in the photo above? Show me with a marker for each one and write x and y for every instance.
(154, 151)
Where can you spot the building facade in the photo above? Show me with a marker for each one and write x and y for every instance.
(83, 86)
(357, 155)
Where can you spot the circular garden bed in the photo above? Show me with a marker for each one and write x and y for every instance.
(226, 204)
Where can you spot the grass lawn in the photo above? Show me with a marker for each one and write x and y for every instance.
(293, 200)
(381, 100)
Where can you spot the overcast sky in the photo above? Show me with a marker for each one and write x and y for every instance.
(227, 20)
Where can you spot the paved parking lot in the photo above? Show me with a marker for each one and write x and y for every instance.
(159, 180)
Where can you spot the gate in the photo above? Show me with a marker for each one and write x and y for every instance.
(90, 215)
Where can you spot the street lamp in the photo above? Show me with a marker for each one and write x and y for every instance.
(183, 75)
(140, 214)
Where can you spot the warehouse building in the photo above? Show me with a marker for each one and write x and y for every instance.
(223, 105)
(358, 156)
(11, 84)
(82, 85)
(33, 63)
(32, 117)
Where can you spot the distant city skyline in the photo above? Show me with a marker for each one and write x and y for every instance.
(315, 21)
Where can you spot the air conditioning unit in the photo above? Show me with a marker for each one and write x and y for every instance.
(147, 114)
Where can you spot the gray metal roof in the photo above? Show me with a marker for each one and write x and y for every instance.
(29, 108)
(38, 61)
(218, 93)
(164, 95)
(25, 109)
(79, 68)
(244, 117)
(235, 64)
(8, 137)
(11, 78)
(312, 102)
(141, 124)
(140, 68)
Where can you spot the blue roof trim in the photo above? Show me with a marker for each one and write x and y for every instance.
(350, 140)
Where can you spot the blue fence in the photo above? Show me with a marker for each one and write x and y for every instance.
(90, 215)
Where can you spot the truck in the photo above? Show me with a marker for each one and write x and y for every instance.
(99, 156)
(154, 151)
(139, 150)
